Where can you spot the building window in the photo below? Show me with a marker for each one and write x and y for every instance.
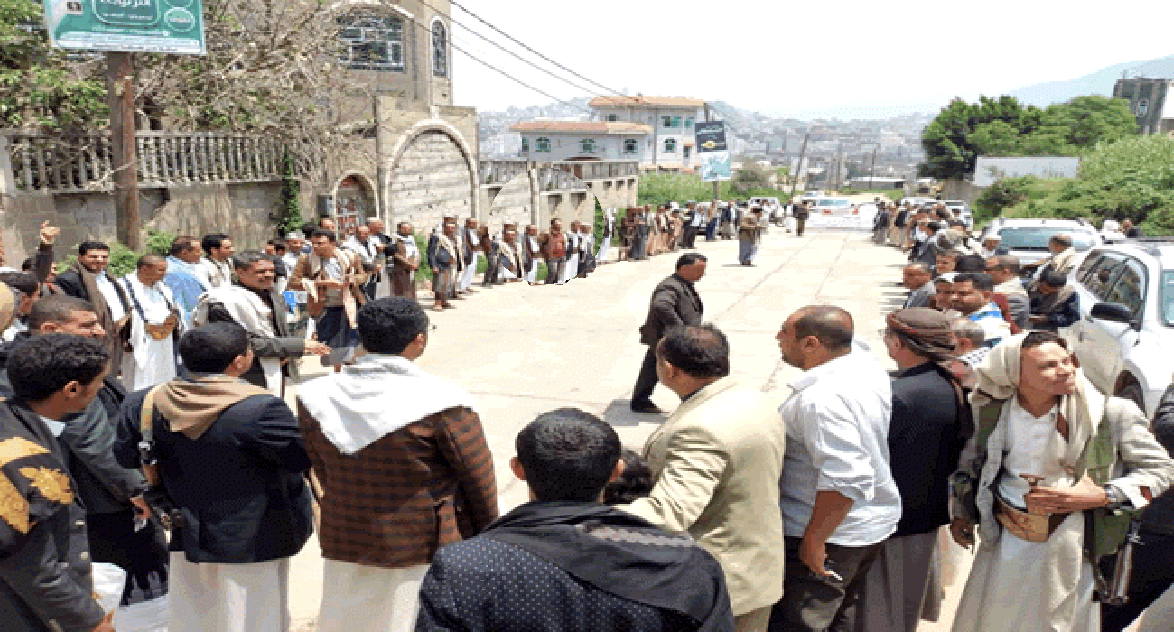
(525, 145)
(670, 145)
(613, 117)
(631, 146)
(686, 151)
(1143, 106)
(670, 121)
(587, 145)
(439, 49)
(689, 122)
(371, 42)
(542, 144)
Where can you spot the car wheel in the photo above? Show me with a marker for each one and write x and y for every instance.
(1132, 391)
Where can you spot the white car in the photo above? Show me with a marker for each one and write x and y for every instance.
(1027, 238)
(1125, 336)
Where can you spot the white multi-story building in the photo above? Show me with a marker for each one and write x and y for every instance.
(671, 143)
(583, 140)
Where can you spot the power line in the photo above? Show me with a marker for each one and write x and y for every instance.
(544, 57)
(523, 59)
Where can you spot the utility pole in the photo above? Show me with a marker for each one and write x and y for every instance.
(717, 185)
(120, 95)
(872, 168)
(799, 165)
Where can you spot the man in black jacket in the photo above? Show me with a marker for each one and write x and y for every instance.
(45, 577)
(1153, 557)
(566, 562)
(929, 426)
(675, 302)
(111, 494)
(231, 458)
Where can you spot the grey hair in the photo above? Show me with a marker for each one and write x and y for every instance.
(968, 329)
(297, 234)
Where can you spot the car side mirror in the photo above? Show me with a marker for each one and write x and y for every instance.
(1115, 312)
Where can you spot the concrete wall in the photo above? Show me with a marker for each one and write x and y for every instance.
(513, 202)
(510, 203)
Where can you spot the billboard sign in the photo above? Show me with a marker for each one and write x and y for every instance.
(133, 26)
(711, 136)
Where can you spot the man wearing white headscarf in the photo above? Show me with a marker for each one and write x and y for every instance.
(1049, 449)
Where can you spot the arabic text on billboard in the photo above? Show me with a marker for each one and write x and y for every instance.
(149, 26)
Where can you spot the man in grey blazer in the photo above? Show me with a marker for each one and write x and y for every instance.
(918, 279)
(675, 302)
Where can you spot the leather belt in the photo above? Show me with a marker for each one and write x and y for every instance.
(1024, 525)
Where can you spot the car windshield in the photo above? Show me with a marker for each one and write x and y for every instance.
(1168, 297)
(1036, 237)
(833, 202)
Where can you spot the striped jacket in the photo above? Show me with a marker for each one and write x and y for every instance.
(395, 502)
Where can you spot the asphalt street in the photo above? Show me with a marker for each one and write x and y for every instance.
(522, 350)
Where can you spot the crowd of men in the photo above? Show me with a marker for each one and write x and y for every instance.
(144, 427)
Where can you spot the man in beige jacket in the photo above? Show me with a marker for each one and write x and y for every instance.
(716, 464)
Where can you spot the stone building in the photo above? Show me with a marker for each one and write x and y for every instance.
(411, 155)
(1150, 101)
(672, 145)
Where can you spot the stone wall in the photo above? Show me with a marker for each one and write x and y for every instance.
(241, 210)
(510, 203)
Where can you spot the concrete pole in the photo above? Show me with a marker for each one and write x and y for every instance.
(120, 95)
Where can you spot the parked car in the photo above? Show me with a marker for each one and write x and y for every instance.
(1027, 238)
(1125, 336)
(961, 210)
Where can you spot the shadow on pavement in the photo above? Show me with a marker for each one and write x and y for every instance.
(619, 413)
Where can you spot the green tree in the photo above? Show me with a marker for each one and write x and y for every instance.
(38, 87)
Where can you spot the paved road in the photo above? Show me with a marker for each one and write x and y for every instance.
(524, 350)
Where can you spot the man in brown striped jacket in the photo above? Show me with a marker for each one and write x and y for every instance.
(404, 467)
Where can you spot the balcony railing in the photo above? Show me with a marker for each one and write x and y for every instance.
(82, 162)
(558, 175)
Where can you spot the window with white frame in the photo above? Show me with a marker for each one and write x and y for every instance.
(689, 122)
(1143, 106)
(670, 121)
(670, 145)
(587, 145)
(439, 49)
(542, 144)
(525, 145)
(371, 41)
(631, 146)
(613, 117)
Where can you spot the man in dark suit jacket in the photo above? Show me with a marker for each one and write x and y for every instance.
(231, 458)
(674, 302)
(89, 281)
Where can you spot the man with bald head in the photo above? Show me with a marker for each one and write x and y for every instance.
(837, 494)
(155, 323)
(918, 279)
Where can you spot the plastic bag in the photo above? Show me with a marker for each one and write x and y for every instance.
(109, 582)
(146, 616)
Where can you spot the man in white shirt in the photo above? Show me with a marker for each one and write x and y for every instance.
(154, 325)
(215, 269)
(837, 495)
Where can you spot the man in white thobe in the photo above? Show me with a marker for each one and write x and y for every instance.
(509, 258)
(531, 254)
(574, 243)
(608, 230)
(471, 248)
(154, 321)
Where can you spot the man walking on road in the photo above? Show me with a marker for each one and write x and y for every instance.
(675, 302)
(405, 469)
(801, 215)
(716, 464)
(838, 498)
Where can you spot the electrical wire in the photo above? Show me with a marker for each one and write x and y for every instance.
(524, 60)
(512, 39)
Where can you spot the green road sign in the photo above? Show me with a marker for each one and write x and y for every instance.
(147, 26)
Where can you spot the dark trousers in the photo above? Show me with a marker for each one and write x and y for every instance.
(711, 230)
(554, 269)
(687, 237)
(142, 554)
(816, 603)
(646, 381)
(490, 271)
(800, 222)
(1153, 572)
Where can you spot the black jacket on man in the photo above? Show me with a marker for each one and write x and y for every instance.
(239, 486)
(45, 580)
(557, 566)
(674, 302)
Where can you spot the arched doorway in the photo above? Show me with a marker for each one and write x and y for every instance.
(354, 202)
(430, 179)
